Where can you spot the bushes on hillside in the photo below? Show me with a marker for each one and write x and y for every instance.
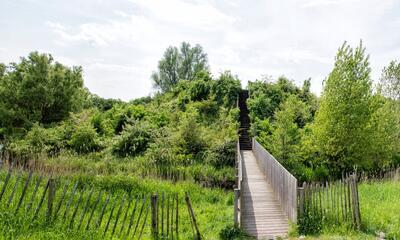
(134, 139)
(222, 155)
(84, 139)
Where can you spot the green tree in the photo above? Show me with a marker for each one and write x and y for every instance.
(286, 131)
(390, 81)
(226, 88)
(37, 89)
(179, 64)
(345, 110)
(266, 96)
(384, 128)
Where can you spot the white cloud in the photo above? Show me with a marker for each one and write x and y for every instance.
(119, 43)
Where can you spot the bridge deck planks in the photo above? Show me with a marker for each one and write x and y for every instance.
(261, 213)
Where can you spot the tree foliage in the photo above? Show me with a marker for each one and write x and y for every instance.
(345, 110)
(179, 64)
(37, 89)
(390, 81)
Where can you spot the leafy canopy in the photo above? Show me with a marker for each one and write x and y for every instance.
(179, 64)
(345, 110)
(390, 81)
(37, 89)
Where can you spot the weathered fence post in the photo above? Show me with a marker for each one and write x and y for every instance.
(355, 202)
(5, 183)
(24, 191)
(236, 207)
(191, 213)
(177, 216)
(154, 227)
(50, 198)
(301, 199)
(14, 189)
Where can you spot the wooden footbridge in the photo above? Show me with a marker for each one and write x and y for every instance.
(266, 193)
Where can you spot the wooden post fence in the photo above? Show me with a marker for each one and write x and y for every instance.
(333, 201)
(79, 206)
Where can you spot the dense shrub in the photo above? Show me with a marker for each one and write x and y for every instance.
(199, 90)
(190, 132)
(222, 155)
(122, 114)
(38, 140)
(133, 140)
(207, 109)
(310, 223)
(165, 152)
(226, 89)
(84, 139)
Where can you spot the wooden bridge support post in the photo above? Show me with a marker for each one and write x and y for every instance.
(236, 207)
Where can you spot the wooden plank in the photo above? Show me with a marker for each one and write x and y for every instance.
(85, 208)
(111, 214)
(61, 200)
(144, 221)
(41, 199)
(167, 223)
(177, 217)
(5, 184)
(71, 198)
(21, 199)
(191, 213)
(14, 189)
(162, 214)
(236, 207)
(100, 219)
(126, 214)
(71, 223)
(140, 214)
(117, 216)
(34, 193)
(132, 216)
(93, 209)
(356, 208)
(50, 198)
(154, 228)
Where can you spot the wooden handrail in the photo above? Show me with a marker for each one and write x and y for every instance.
(283, 183)
(239, 176)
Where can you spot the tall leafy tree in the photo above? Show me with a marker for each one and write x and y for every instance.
(384, 128)
(345, 110)
(390, 81)
(179, 64)
(292, 116)
(37, 89)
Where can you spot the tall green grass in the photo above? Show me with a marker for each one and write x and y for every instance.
(212, 207)
(380, 213)
(380, 208)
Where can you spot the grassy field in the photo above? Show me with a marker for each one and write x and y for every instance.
(107, 165)
(212, 207)
(380, 208)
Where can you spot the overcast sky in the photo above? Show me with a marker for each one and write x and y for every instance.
(119, 42)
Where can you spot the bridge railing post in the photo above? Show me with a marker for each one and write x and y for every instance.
(236, 207)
